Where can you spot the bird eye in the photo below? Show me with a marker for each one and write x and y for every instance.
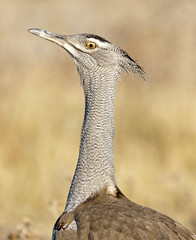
(91, 45)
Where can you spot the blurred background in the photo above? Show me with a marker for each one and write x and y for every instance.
(42, 104)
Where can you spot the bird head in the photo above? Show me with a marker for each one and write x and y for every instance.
(91, 51)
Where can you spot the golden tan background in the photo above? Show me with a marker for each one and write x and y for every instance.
(41, 107)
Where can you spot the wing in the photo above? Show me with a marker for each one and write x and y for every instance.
(122, 219)
(113, 218)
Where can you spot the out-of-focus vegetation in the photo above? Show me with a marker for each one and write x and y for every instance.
(41, 107)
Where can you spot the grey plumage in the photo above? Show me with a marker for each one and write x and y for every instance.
(94, 200)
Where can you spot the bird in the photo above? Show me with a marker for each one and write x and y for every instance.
(96, 208)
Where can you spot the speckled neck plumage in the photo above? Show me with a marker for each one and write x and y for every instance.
(95, 168)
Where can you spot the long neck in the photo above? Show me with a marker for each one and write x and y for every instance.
(95, 168)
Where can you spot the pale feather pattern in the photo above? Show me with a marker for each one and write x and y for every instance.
(95, 168)
(96, 209)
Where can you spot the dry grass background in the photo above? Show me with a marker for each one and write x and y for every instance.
(41, 107)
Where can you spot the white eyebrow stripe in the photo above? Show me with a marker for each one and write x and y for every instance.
(98, 42)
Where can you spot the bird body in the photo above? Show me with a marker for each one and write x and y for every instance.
(96, 208)
(114, 217)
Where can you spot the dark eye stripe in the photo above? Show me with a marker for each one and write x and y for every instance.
(89, 35)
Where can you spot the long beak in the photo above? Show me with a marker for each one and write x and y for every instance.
(59, 39)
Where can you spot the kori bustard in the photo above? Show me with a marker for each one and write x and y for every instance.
(96, 208)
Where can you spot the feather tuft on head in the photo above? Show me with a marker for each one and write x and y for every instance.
(131, 66)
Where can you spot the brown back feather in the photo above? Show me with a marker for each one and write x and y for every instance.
(105, 217)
